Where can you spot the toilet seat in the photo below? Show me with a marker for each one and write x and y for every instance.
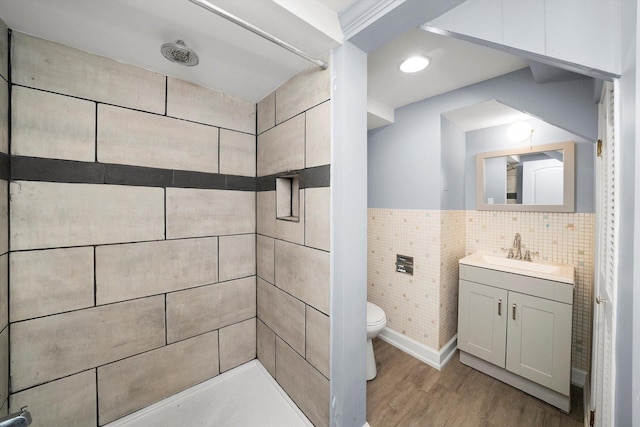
(375, 315)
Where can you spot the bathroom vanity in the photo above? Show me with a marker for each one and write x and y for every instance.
(514, 323)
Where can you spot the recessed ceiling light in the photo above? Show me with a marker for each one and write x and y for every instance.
(415, 64)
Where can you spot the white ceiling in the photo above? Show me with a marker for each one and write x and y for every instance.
(454, 64)
(236, 61)
(232, 59)
(484, 114)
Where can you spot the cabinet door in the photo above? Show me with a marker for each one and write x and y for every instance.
(539, 341)
(482, 325)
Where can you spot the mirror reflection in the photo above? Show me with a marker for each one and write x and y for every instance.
(529, 178)
(539, 178)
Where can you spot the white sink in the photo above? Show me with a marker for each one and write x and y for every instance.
(543, 270)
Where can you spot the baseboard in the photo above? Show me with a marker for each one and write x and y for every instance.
(578, 377)
(435, 358)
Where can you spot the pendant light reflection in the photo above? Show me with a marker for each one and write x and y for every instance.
(519, 132)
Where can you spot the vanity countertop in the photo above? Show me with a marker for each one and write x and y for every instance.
(542, 270)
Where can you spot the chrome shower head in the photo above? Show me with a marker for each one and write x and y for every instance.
(178, 52)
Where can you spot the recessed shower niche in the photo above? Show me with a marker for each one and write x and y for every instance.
(288, 197)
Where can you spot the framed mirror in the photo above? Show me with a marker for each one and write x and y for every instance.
(537, 179)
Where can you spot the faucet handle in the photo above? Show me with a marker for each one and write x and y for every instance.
(527, 255)
(510, 254)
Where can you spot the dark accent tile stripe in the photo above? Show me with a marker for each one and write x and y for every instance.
(266, 183)
(319, 176)
(187, 179)
(240, 183)
(53, 170)
(4, 167)
(137, 175)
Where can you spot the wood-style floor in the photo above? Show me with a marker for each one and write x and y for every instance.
(408, 392)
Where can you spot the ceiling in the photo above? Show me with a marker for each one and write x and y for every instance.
(484, 114)
(454, 64)
(232, 59)
(236, 61)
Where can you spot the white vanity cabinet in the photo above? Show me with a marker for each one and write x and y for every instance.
(517, 328)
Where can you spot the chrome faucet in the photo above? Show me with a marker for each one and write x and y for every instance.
(17, 419)
(516, 246)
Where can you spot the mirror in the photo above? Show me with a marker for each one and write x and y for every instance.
(538, 179)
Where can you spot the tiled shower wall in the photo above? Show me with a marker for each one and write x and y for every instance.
(4, 219)
(132, 239)
(424, 306)
(294, 136)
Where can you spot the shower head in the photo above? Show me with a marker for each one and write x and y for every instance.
(178, 52)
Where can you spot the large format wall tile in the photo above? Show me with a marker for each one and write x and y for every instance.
(306, 386)
(237, 344)
(51, 347)
(302, 92)
(196, 103)
(267, 113)
(66, 402)
(195, 311)
(282, 313)
(49, 215)
(237, 153)
(4, 364)
(266, 347)
(54, 126)
(281, 149)
(304, 273)
(318, 340)
(318, 132)
(4, 116)
(51, 281)
(265, 258)
(57, 68)
(4, 52)
(134, 138)
(4, 216)
(216, 212)
(133, 383)
(139, 269)
(317, 218)
(4, 291)
(268, 225)
(237, 256)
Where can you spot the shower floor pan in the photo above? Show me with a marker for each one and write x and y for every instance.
(244, 396)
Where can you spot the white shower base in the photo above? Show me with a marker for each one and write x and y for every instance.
(244, 396)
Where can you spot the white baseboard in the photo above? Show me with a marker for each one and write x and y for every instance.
(435, 358)
(578, 377)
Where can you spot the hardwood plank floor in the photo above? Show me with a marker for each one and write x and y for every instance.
(408, 392)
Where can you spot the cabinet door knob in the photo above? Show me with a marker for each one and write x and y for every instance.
(514, 312)
(500, 307)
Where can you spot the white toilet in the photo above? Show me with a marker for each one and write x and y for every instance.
(376, 321)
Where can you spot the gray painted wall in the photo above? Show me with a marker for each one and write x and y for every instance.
(452, 163)
(495, 139)
(405, 158)
(348, 236)
(627, 347)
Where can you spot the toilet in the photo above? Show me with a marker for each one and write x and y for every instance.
(376, 321)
